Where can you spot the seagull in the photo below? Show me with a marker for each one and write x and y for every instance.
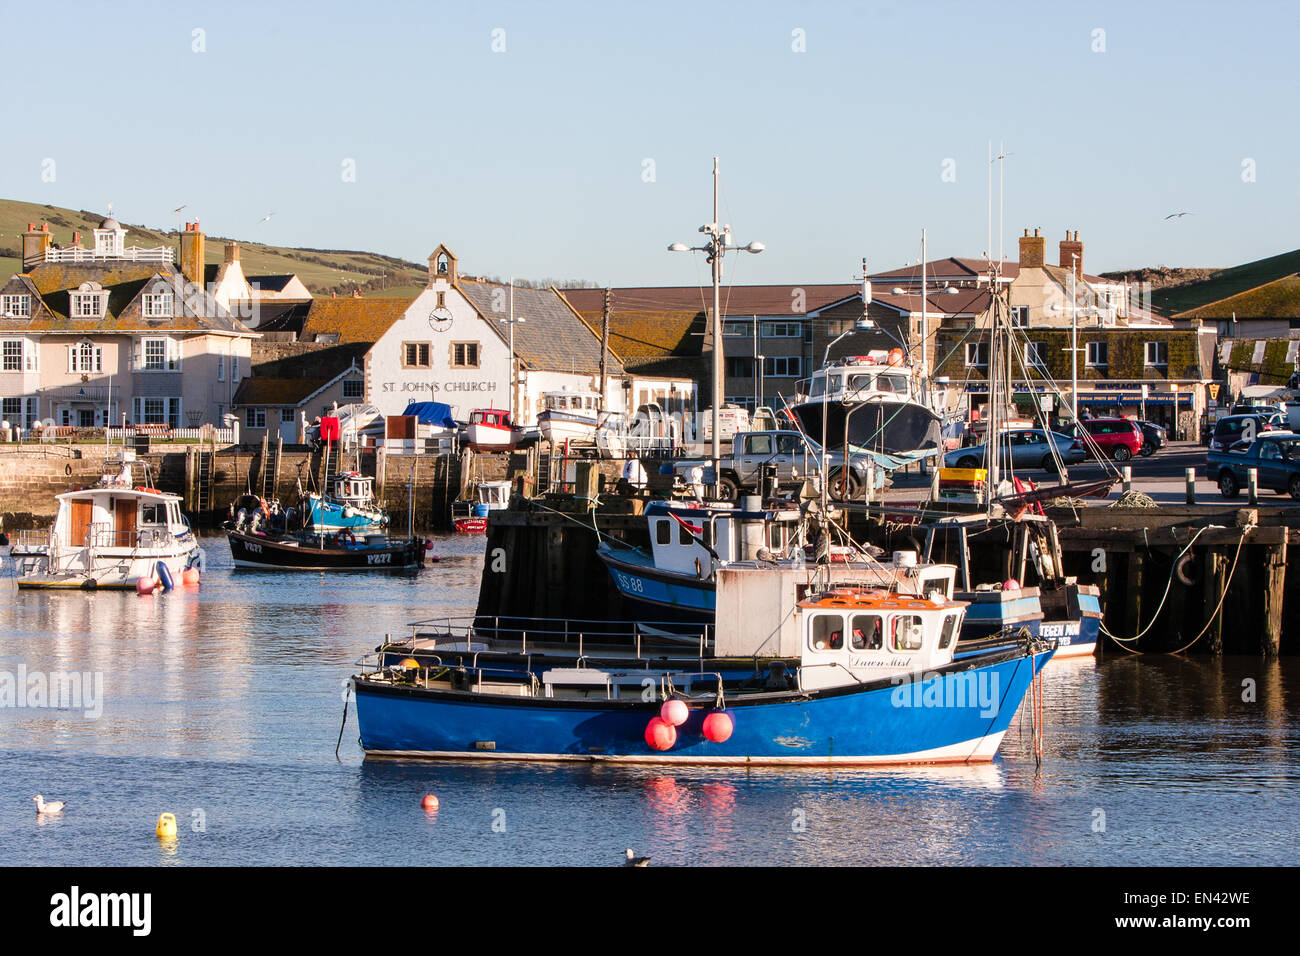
(266, 217)
(179, 208)
(45, 809)
(1177, 215)
(632, 858)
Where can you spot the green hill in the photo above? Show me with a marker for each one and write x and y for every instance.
(1224, 283)
(322, 270)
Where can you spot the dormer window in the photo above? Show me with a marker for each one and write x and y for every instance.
(159, 305)
(15, 306)
(90, 301)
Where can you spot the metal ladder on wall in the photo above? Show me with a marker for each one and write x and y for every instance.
(270, 468)
(203, 479)
(330, 460)
(543, 470)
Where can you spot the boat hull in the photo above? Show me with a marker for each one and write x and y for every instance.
(559, 427)
(267, 553)
(110, 571)
(656, 595)
(956, 715)
(892, 428)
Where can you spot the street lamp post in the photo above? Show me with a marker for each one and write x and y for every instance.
(510, 320)
(719, 241)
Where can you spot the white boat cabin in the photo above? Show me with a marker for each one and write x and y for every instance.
(354, 489)
(118, 517)
(494, 494)
(678, 536)
(581, 404)
(852, 634)
(862, 377)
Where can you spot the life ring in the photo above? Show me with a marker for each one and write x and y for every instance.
(1181, 569)
(346, 539)
(67, 470)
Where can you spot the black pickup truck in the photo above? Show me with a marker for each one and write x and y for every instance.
(1275, 456)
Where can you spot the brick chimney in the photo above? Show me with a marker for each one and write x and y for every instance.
(232, 252)
(1033, 250)
(36, 242)
(1071, 246)
(192, 253)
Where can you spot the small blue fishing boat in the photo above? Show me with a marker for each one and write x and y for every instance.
(351, 507)
(854, 676)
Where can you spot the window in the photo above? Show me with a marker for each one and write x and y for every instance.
(415, 355)
(1158, 354)
(827, 632)
(1097, 354)
(782, 366)
(160, 355)
(157, 305)
(782, 330)
(868, 633)
(442, 300)
(906, 631)
(684, 536)
(977, 354)
(221, 368)
(1034, 355)
(739, 367)
(759, 445)
(153, 514)
(664, 531)
(352, 388)
(17, 306)
(464, 355)
(85, 357)
(20, 411)
(11, 409)
(949, 629)
(255, 417)
(735, 329)
(234, 368)
(1020, 317)
(13, 355)
(157, 411)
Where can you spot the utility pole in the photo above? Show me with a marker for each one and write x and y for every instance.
(1074, 337)
(604, 344)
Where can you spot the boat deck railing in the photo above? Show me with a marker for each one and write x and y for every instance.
(504, 631)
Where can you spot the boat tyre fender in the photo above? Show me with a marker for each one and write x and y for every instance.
(1184, 570)
(346, 539)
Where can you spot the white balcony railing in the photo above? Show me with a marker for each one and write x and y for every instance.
(133, 253)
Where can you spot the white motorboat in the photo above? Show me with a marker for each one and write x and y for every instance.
(569, 416)
(110, 535)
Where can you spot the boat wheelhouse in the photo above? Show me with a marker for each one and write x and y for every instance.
(351, 507)
(491, 429)
(109, 536)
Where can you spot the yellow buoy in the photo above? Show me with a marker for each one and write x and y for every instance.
(166, 825)
(408, 662)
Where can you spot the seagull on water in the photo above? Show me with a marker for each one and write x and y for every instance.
(44, 809)
(1177, 215)
(634, 860)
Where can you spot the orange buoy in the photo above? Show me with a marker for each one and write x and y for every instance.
(674, 712)
(430, 802)
(190, 576)
(718, 726)
(660, 734)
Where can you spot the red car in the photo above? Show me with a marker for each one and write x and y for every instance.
(1117, 438)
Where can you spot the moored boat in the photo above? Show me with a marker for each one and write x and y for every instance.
(852, 677)
(569, 416)
(491, 429)
(110, 535)
(470, 515)
(343, 551)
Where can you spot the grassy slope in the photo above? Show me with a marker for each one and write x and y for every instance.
(1224, 283)
(322, 271)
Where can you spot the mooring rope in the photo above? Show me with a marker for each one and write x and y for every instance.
(1164, 597)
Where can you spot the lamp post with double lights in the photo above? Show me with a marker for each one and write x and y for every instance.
(718, 242)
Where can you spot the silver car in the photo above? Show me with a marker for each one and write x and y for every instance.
(1023, 448)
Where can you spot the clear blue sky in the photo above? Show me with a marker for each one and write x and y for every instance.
(530, 161)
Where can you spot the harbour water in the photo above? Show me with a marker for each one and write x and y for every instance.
(223, 705)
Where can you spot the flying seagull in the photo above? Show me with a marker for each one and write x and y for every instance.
(266, 217)
(44, 809)
(1177, 215)
(632, 859)
(179, 208)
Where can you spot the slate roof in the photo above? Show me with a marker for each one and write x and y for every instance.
(125, 282)
(551, 338)
(258, 390)
(740, 300)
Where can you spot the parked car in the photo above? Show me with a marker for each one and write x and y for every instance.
(1117, 438)
(1234, 428)
(1275, 456)
(1154, 438)
(1024, 448)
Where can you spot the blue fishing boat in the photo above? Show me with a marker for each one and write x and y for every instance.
(872, 679)
(351, 507)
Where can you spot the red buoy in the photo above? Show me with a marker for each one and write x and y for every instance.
(659, 734)
(674, 712)
(430, 802)
(718, 726)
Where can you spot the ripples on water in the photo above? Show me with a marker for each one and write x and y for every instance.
(228, 699)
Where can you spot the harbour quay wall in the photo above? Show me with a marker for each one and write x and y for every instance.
(209, 479)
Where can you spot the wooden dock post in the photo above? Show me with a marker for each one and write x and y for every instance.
(1133, 596)
(1215, 579)
(1126, 472)
(1252, 485)
(1190, 474)
(1274, 583)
